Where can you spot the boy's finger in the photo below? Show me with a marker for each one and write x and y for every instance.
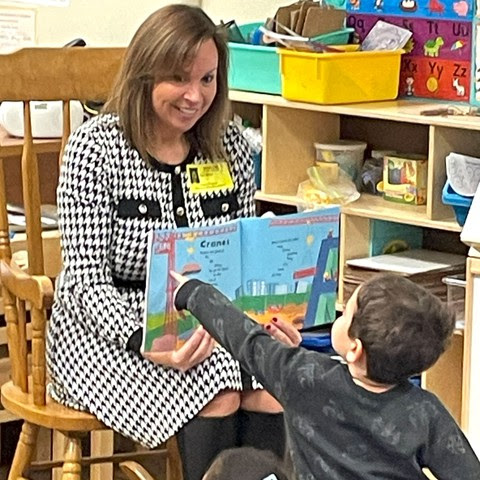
(177, 276)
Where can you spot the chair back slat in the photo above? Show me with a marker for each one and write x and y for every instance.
(39, 321)
(43, 74)
(22, 341)
(5, 250)
(31, 198)
(66, 128)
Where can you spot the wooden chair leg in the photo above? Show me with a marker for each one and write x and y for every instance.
(174, 463)
(73, 455)
(24, 451)
(101, 444)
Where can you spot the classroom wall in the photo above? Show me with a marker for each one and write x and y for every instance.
(98, 22)
(242, 11)
(113, 22)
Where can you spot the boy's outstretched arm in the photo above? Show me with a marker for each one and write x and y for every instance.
(270, 361)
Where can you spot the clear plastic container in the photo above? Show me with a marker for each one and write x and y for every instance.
(348, 154)
(456, 285)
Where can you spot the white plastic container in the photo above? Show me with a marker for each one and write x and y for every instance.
(347, 153)
(47, 118)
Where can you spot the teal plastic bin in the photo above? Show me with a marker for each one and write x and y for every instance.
(254, 68)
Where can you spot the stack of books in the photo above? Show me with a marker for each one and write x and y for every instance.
(425, 267)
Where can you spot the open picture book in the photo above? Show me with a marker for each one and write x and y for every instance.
(285, 266)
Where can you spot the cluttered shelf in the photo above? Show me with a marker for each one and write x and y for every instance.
(408, 111)
(377, 208)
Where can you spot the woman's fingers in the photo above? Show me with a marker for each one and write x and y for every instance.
(278, 334)
(188, 349)
(203, 351)
(284, 332)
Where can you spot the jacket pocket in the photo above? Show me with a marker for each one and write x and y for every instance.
(132, 208)
(220, 205)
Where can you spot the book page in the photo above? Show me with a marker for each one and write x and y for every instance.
(211, 254)
(282, 258)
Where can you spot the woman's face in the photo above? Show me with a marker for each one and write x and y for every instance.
(179, 103)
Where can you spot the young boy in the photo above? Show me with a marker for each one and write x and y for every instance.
(361, 419)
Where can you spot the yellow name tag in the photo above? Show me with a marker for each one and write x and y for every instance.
(208, 177)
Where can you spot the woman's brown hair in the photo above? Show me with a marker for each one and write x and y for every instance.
(163, 47)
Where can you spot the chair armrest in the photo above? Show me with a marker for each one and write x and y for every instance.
(36, 289)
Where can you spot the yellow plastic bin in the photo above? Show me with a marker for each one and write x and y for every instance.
(340, 77)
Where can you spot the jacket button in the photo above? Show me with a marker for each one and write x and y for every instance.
(142, 208)
(180, 211)
(225, 207)
(178, 170)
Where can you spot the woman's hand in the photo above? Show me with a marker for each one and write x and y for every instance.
(284, 332)
(194, 351)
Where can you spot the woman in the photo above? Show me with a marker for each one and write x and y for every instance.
(124, 174)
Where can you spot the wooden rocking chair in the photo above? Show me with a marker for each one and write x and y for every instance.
(45, 74)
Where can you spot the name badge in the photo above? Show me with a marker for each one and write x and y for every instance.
(208, 177)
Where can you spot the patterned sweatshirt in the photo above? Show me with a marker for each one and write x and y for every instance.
(337, 429)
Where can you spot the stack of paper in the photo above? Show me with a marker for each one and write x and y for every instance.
(425, 267)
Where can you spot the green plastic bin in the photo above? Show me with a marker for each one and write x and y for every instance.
(254, 68)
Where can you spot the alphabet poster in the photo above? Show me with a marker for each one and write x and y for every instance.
(437, 62)
(437, 9)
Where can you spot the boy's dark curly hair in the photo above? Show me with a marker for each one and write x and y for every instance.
(403, 327)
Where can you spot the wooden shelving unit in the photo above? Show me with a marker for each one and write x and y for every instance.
(12, 146)
(289, 132)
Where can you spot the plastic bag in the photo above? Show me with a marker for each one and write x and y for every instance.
(463, 173)
(327, 185)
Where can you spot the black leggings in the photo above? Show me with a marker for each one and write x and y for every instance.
(203, 438)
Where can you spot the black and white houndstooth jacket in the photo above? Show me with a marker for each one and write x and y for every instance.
(108, 201)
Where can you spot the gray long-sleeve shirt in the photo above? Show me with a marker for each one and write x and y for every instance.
(338, 430)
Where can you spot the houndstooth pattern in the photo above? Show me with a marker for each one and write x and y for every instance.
(92, 320)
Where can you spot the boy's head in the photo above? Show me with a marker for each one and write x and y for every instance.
(400, 326)
(246, 463)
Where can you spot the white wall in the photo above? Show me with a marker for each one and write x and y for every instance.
(98, 22)
(113, 22)
(242, 11)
